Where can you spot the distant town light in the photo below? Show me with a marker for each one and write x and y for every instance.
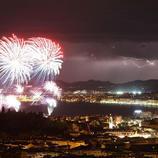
(119, 92)
(137, 111)
(136, 92)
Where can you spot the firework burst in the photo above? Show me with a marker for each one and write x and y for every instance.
(52, 87)
(15, 61)
(48, 58)
(12, 102)
(21, 60)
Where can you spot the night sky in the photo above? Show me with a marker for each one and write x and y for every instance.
(111, 40)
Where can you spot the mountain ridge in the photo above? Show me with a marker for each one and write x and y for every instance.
(150, 85)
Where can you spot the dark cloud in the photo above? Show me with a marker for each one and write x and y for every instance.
(115, 70)
(114, 49)
(81, 19)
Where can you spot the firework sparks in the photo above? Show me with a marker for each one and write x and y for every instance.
(19, 89)
(15, 61)
(20, 60)
(52, 103)
(52, 87)
(37, 96)
(48, 58)
(12, 102)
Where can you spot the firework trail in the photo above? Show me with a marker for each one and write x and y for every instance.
(52, 103)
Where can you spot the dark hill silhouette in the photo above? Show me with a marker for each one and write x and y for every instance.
(146, 85)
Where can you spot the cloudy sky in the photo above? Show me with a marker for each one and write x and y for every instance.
(102, 39)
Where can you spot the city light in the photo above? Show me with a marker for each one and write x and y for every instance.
(137, 111)
(136, 92)
(119, 92)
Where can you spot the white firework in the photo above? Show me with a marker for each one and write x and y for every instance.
(19, 89)
(52, 87)
(15, 61)
(12, 102)
(47, 58)
(37, 96)
(52, 103)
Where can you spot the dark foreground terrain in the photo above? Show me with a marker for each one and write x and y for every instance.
(31, 135)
